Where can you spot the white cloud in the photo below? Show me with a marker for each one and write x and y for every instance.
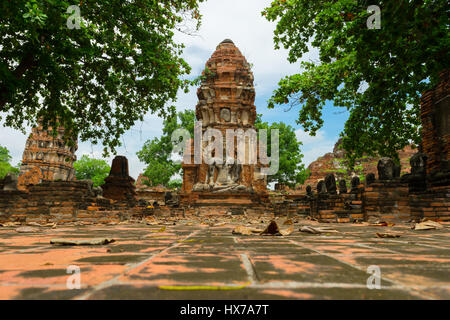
(14, 141)
(306, 138)
(314, 146)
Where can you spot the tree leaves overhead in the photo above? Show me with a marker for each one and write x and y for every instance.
(96, 81)
(377, 74)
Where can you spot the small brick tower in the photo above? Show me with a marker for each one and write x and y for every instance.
(47, 157)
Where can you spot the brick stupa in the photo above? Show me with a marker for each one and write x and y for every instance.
(225, 101)
(119, 185)
(47, 158)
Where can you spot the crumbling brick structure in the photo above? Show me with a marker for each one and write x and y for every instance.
(119, 185)
(226, 101)
(47, 157)
(422, 193)
(435, 114)
(434, 201)
(65, 201)
(70, 201)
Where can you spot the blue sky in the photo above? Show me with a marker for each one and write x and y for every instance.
(242, 22)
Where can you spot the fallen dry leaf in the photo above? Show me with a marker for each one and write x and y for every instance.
(151, 221)
(219, 224)
(81, 242)
(314, 230)
(27, 230)
(32, 223)
(288, 222)
(160, 230)
(427, 225)
(287, 231)
(387, 235)
(10, 224)
(241, 230)
(272, 229)
(381, 224)
(308, 229)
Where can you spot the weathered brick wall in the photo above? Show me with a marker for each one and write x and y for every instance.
(152, 195)
(329, 207)
(208, 203)
(387, 200)
(435, 135)
(300, 204)
(354, 206)
(325, 208)
(63, 202)
(383, 200)
(432, 204)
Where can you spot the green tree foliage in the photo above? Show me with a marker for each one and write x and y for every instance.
(377, 74)
(157, 153)
(91, 169)
(291, 170)
(96, 80)
(5, 166)
(175, 184)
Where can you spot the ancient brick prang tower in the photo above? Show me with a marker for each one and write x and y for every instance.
(47, 157)
(225, 101)
(227, 96)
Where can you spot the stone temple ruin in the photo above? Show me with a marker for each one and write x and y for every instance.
(422, 193)
(46, 190)
(46, 158)
(226, 101)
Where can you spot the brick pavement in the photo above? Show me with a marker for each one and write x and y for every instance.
(191, 259)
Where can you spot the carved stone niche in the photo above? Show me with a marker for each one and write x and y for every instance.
(330, 183)
(442, 116)
(244, 117)
(225, 115)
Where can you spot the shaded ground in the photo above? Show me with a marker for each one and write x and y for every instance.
(202, 259)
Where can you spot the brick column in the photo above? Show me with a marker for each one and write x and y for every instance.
(435, 115)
